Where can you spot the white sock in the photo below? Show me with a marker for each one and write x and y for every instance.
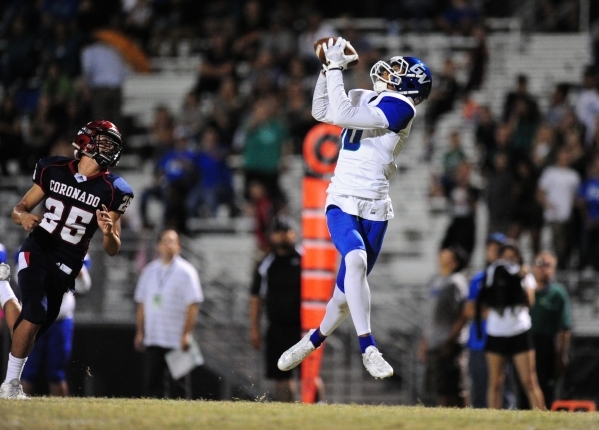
(336, 312)
(6, 293)
(357, 290)
(14, 367)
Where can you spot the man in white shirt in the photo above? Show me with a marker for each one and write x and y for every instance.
(557, 190)
(376, 127)
(168, 295)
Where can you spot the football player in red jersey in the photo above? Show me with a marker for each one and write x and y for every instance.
(80, 196)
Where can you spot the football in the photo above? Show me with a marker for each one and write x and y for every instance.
(349, 50)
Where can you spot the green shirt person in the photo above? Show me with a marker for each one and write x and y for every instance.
(551, 325)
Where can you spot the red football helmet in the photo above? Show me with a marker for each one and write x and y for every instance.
(100, 140)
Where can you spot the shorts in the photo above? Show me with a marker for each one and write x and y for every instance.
(41, 285)
(447, 375)
(278, 340)
(509, 346)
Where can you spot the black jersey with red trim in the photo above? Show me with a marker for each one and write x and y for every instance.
(69, 221)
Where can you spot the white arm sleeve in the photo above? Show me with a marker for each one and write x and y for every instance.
(83, 282)
(321, 110)
(361, 117)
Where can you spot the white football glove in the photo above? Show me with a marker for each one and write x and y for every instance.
(334, 52)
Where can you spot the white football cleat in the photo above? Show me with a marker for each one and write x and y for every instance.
(4, 272)
(375, 363)
(297, 353)
(12, 390)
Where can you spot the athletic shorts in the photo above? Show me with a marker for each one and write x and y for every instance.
(278, 340)
(509, 346)
(41, 285)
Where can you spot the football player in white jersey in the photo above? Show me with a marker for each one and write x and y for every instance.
(375, 125)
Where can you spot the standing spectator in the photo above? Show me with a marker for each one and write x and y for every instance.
(588, 204)
(168, 295)
(104, 72)
(276, 285)
(558, 106)
(261, 208)
(551, 327)
(215, 184)
(462, 198)
(477, 362)
(453, 157)
(485, 137)
(526, 211)
(443, 95)
(507, 293)
(10, 134)
(523, 123)
(442, 344)
(217, 64)
(520, 93)
(587, 105)
(175, 174)
(499, 186)
(557, 190)
(543, 146)
(264, 147)
(51, 353)
(478, 57)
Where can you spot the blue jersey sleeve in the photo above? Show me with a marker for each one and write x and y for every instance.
(399, 113)
(87, 262)
(475, 284)
(3, 254)
(123, 194)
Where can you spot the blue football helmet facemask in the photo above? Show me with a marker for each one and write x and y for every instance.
(408, 76)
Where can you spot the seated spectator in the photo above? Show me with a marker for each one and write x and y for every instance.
(191, 116)
(543, 146)
(298, 115)
(250, 28)
(485, 137)
(63, 48)
(215, 184)
(19, 55)
(56, 85)
(520, 93)
(161, 131)
(279, 40)
(227, 111)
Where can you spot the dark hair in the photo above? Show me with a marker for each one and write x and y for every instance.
(501, 288)
(460, 256)
(513, 245)
(281, 223)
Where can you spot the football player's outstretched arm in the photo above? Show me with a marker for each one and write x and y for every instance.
(21, 213)
(321, 110)
(110, 224)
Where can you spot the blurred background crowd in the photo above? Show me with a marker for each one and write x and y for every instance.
(223, 154)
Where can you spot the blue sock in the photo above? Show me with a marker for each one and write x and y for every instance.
(365, 342)
(317, 339)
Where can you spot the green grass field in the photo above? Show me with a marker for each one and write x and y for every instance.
(133, 414)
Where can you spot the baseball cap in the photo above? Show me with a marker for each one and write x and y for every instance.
(497, 237)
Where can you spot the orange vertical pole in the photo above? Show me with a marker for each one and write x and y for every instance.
(319, 262)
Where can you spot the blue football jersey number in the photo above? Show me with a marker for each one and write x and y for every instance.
(350, 139)
(75, 224)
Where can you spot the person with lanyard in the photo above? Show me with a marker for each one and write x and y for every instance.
(168, 295)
